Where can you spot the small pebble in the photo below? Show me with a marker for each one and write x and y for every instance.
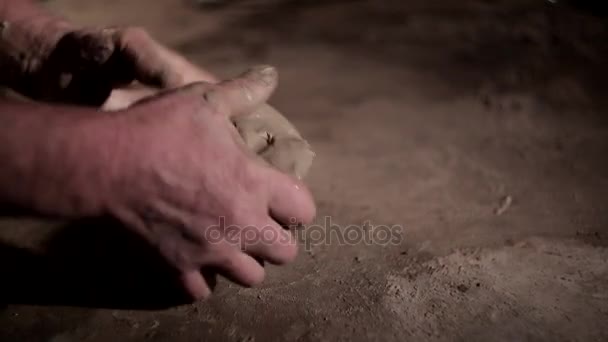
(505, 204)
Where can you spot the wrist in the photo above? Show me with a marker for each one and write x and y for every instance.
(58, 161)
(89, 146)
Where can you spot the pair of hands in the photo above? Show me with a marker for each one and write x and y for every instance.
(180, 177)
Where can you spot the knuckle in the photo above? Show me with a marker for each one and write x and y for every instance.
(212, 99)
(255, 181)
(234, 207)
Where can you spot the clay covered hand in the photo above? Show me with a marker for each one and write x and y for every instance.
(45, 58)
(194, 192)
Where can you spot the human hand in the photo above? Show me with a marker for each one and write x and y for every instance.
(48, 59)
(189, 186)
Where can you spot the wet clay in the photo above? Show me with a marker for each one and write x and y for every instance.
(266, 132)
(271, 136)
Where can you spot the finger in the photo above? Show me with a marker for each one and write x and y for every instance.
(269, 241)
(192, 89)
(245, 93)
(84, 48)
(155, 64)
(291, 202)
(77, 67)
(144, 57)
(239, 267)
(195, 285)
(238, 96)
(125, 97)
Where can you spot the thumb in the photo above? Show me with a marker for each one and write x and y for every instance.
(241, 95)
(244, 94)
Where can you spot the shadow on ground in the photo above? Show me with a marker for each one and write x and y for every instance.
(91, 263)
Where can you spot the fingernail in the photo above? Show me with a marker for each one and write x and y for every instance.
(64, 80)
(263, 69)
(266, 73)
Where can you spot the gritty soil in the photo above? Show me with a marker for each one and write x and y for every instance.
(477, 127)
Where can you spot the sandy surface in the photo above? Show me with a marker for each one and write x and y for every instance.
(477, 127)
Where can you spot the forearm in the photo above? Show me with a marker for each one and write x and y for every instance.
(55, 160)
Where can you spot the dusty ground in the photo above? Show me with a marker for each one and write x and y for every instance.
(479, 127)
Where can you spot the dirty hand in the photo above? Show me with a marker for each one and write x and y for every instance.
(191, 188)
(48, 59)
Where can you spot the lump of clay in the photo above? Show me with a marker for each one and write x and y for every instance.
(271, 136)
